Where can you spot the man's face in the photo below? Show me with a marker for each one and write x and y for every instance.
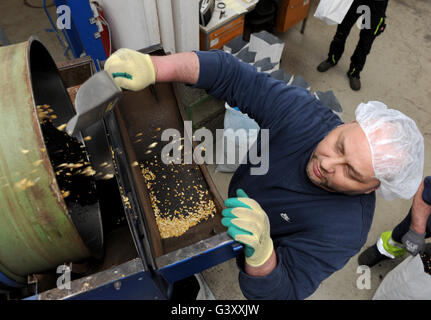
(342, 162)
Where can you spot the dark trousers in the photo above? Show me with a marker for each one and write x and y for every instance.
(402, 228)
(366, 36)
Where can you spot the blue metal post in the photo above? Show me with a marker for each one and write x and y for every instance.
(81, 14)
(82, 37)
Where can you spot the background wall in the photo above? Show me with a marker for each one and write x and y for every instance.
(138, 24)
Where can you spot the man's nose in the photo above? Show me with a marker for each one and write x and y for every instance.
(329, 164)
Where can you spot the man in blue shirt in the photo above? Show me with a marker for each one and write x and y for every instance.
(311, 212)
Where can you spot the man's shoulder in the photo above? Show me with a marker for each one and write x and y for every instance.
(363, 202)
(360, 207)
(357, 219)
(343, 202)
(303, 113)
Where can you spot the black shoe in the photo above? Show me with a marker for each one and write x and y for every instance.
(371, 257)
(325, 66)
(355, 82)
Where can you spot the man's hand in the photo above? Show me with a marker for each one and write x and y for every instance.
(248, 223)
(414, 239)
(414, 242)
(131, 69)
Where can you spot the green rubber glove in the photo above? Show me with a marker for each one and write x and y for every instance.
(131, 69)
(248, 224)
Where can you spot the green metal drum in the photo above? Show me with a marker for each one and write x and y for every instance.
(36, 231)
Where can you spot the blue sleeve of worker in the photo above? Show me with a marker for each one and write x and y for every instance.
(426, 194)
(297, 275)
(261, 97)
(299, 272)
(307, 257)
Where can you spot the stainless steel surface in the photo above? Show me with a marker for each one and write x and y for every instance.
(74, 73)
(95, 281)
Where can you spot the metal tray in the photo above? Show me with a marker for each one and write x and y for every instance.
(136, 124)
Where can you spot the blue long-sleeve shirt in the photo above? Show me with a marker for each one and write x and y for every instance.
(315, 232)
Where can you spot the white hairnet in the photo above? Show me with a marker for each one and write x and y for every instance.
(397, 149)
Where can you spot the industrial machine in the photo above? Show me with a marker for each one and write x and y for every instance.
(79, 217)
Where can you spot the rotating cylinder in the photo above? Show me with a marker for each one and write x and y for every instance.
(37, 229)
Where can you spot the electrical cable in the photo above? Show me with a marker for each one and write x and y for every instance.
(28, 4)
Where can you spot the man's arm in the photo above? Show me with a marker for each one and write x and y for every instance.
(266, 100)
(264, 269)
(301, 266)
(308, 256)
(420, 209)
(135, 71)
(414, 239)
(180, 67)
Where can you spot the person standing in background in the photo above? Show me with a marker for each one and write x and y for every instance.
(375, 26)
(408, 236)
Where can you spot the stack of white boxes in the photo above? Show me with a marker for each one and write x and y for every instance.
(263, 51)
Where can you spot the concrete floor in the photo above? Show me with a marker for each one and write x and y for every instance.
(19, 22)
(398, 72)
